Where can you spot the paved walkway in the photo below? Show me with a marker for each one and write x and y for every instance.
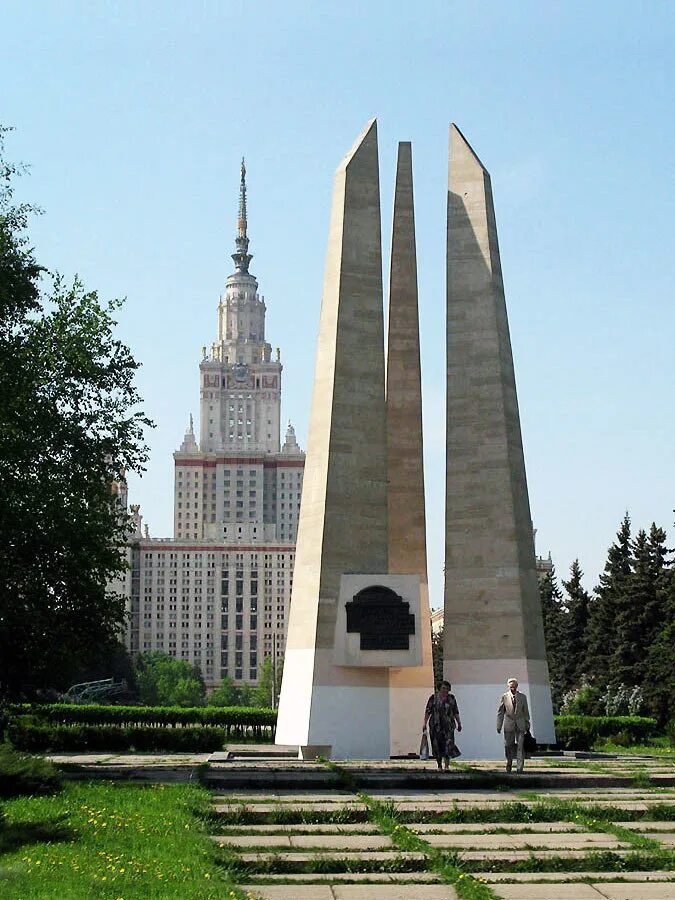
(331, 845)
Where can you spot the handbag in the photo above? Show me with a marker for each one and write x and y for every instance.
(424, 747)
(529, 743)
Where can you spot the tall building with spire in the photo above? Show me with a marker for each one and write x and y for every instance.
(217, 593)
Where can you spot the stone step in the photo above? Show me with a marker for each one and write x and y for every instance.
(378, 856)
(508, 842)
(304, 828)
(356, 877)
(352, 892)
(596, 891)
(504, 856)
(345, 842)
(546, 877)
(422, 828)
(362, 842)
(646, 825)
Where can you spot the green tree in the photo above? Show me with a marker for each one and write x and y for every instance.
(264, 693)
(578, 602)
(609, 596)
(554, 616)
(226, 694)
(69, 427)
(165, 681)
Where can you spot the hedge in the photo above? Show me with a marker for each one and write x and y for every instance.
(581, 732)
(234, 718)
(30, 737)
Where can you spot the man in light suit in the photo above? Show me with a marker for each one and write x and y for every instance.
(514, 716)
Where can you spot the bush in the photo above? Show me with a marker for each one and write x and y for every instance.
(581, 732)
(670, 731)
(584, 700)
(62, 738)
(21, 774)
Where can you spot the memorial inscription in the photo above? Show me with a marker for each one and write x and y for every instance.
(381, 617)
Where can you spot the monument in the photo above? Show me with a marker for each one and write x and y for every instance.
(493, 622)
(358, 665)
(356, 626)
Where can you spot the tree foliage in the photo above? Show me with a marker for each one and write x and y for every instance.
(615, 650)
(165, 681)
(69, 427)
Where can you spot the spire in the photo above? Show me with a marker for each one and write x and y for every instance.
(241, 256)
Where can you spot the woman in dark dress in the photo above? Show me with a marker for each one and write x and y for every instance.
(441, 714)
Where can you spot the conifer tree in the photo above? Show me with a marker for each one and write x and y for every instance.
(578, 604)
(659, 670)
(635, 595)
(554, 616)
(601, 633)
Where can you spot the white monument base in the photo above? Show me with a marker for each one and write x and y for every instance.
(478, 702)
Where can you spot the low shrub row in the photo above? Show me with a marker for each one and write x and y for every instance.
(60, 738)
(581, 732)
(234, 718)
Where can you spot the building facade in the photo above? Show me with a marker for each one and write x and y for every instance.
(217, 593)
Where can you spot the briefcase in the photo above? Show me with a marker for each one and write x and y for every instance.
(529, 744)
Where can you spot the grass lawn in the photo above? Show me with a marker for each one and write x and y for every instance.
(658, 746)
(103, 840)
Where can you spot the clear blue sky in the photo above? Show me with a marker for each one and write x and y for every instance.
(134, 116)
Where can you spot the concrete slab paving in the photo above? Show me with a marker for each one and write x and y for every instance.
(342, 842)
(252, 840)
(486, 827)
(370, 856)
(546, 892)
(307, 828)
(290, 891)
(510, 856)
(357, 877)
(560, 842)
(636, 891)
(667, 838)
(646, 825)
(352, 892)
(299, 807)
(393, 892)
(574, 876)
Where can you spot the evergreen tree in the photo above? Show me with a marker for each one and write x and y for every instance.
(659, 670)
(609, 595)
(641, 611)
(629, 603)
(578, 603)
(554, 615)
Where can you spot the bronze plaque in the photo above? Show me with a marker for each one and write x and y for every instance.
(381, 617)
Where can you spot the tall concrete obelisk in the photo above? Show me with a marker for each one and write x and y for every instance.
(493, 622)
(325, 707)
(410, 686)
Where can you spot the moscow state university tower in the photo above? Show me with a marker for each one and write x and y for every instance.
(217, 594)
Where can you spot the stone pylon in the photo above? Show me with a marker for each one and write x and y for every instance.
(493, 621)
(342, 529)
(409, 686)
